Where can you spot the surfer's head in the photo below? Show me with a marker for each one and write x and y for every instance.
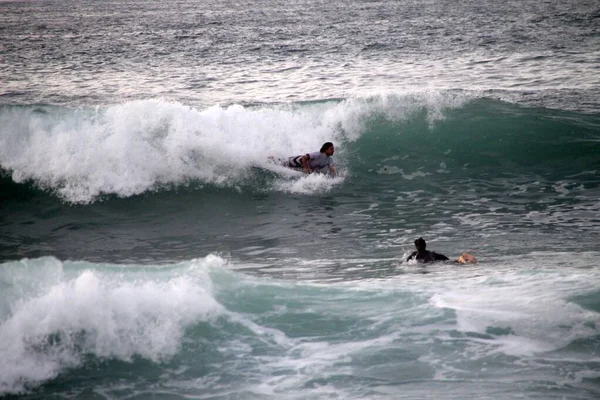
(327, 148)
(420, 244)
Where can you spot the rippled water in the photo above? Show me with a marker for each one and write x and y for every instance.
(204, 53)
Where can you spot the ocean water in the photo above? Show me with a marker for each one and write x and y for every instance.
(145, 254)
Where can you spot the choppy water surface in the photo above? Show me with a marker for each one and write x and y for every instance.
(145, 253)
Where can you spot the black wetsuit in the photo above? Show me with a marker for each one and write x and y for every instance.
(427, 256)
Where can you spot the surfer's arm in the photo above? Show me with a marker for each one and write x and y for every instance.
(332, 170)
(305, 165)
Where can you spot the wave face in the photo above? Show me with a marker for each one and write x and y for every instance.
(82, 155)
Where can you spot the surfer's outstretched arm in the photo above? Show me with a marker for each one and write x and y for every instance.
(305, 165)
(333, 171)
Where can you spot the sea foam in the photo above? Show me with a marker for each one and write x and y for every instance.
(49, 326)
(141, 146)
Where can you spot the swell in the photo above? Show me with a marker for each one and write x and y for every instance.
(485, 136)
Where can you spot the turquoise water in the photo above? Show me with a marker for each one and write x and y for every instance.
(144, 255)
(506, 328)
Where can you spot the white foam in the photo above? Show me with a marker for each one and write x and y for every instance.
(102, 313)
(139, 146)
(314, 183)
(526, 303)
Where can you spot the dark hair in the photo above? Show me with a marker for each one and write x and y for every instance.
(420, 243)
(326, 147)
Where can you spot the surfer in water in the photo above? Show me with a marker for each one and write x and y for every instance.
(316, 161)
(425, 256)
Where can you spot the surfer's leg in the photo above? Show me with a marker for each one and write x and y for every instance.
(278, 161)
(296, 162)
(292, 162)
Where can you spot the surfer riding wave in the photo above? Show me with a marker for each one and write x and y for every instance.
(311, 162)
